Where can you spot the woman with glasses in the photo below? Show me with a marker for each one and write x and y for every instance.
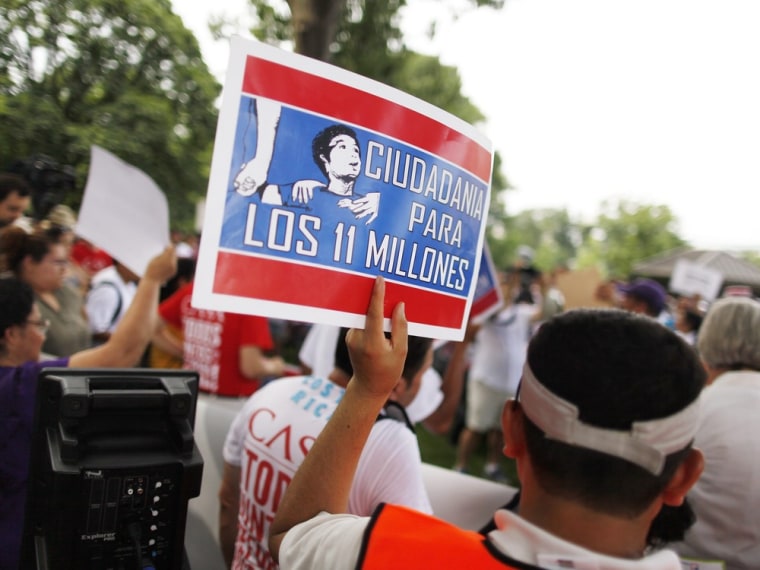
(22, 335)
(41, 261)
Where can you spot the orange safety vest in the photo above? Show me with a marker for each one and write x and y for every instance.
(400, 537)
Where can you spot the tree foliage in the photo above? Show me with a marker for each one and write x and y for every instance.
(364, 37)
(631, 232)
(622, 234)
(551, 233)
(323, 29)
(123, 74)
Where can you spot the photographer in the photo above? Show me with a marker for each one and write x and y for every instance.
(46, 183)
(14, 198)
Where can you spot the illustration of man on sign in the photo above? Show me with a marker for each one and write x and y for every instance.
(335, 151)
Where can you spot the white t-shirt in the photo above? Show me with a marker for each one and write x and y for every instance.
(270, 437)
(500, 348)
(428, 397)
(334, 541)
(103, 299)
(318, 349)
(726, 497)
(318, 353)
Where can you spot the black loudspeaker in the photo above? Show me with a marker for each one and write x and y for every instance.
(113, 466)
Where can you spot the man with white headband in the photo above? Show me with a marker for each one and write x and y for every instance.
(601, 433)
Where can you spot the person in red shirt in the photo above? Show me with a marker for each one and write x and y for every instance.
(89, 257)
(226, 349)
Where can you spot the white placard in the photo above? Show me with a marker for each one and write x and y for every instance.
(123, 211)
(689, 278)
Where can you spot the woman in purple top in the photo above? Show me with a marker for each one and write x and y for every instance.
(23, 332)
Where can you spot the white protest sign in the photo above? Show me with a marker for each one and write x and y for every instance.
(123, 211)
(689, 278)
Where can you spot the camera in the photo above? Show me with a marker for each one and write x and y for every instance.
(49, 181)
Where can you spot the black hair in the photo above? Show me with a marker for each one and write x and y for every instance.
(320, 145)
(693, 319)
(617, 368)
(185, 273)
(16, 244)
(417, 349)
(10, 183)
(54, 233)
(342, 358)
(16, 299)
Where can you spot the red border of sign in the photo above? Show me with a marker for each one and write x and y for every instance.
(273, 280)
(324, 96)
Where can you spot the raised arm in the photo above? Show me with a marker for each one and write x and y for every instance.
(166, 340)
(323, 481)
(135, 330)
(254, 173)
(229, 505)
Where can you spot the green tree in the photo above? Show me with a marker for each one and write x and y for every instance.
(623, 233)
(752, 257)
(551, 233)
(125, 75)
(626, 232)
(327, 29)
(363, 37)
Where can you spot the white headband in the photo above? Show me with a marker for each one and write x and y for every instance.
(646, 444)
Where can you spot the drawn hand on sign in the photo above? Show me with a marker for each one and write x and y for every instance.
(362, 207)
(303, 190)
(253, 174)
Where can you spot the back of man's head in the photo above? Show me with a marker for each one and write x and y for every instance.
(617, 369)
(417, 349)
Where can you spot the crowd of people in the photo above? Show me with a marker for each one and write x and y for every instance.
(631, 428)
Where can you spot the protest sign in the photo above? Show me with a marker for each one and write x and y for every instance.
(123, 211)
(321, 180)
(585, 288)
(488, 297)
(691, 278)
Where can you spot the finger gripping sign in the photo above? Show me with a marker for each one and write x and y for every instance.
(321, 180)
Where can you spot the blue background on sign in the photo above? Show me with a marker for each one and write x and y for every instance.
(487, 281)
(279, 230)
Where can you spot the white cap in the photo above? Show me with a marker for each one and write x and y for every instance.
(646, 443)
